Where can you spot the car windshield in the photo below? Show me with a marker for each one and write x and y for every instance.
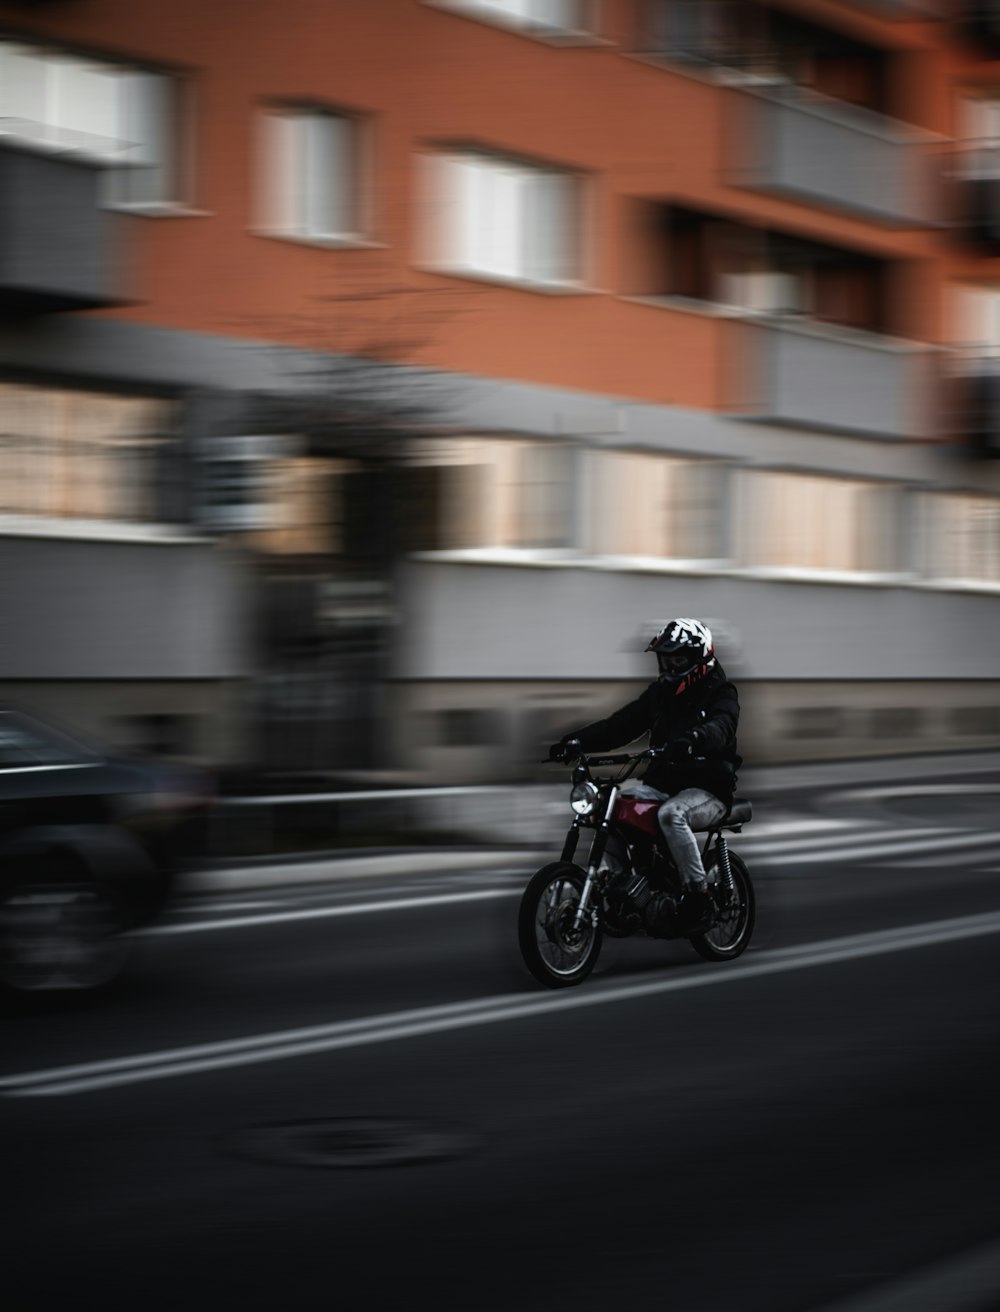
(24, 742)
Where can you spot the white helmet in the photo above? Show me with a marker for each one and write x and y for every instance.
(684, 651)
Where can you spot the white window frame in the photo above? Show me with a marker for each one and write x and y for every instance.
(494, 519)
(481, 213)
(59, 101)
(534, 18)
(636, 510)
(799, 539)
(294, 144)
(73, 455)
(948, 539)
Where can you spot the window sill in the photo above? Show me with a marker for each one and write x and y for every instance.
(546, 36)
(568, 559)
(532, 557)
(159, 210)
(321, 243)
(960, 585)
(837, 577)
(98, 530)
(787, 323)
(513, 283)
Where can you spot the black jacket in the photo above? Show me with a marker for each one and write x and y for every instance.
(711, 706)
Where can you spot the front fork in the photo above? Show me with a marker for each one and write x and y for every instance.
(596, 857)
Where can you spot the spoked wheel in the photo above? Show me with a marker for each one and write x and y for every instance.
(736, 911)
(557, 953)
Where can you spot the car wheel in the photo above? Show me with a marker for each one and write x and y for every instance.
(59, 935)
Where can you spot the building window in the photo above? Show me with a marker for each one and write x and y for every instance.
(895, 722)
(309, 181)
(978, 133)
(799, 521)
(961, 536)
(814, 722)
(975, 325)
(538, 16)
(501, 219)
(644, 505)
(475, 493)
(68, 454)
(708, 257)
(762, 45)
(122, 116)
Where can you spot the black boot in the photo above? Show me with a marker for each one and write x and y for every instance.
(696, 912)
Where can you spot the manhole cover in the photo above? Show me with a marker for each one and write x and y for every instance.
(349, 1141)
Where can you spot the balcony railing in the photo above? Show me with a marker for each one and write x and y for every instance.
(827, 153)
(813, 376)
(915, 10)
(59, 250)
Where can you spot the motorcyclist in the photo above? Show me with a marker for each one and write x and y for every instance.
(690, 712)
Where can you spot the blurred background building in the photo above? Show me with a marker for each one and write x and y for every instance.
(374, 377)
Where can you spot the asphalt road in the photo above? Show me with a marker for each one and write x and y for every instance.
(352, 1094)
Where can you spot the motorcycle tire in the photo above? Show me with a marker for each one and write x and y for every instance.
(736, 915)
(556, 954)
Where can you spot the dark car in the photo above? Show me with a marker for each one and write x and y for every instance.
(90, 841)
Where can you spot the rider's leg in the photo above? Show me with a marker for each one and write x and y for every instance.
(690, 809)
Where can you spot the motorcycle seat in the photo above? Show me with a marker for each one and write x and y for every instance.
(739, 814)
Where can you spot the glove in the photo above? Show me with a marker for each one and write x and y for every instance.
(685, 745)
(564, 750)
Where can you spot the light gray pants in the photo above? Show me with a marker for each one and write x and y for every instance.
(679, 817)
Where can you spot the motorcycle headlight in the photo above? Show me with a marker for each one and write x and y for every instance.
(583, 798)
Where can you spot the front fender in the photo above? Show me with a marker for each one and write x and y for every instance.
(102, 853)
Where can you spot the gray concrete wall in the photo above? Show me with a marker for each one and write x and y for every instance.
(467, 621)
(86, 609)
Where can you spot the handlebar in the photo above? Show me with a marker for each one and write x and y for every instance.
(617, 758)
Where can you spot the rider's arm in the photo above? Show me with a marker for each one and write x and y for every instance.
(717, 732)
(624, 726)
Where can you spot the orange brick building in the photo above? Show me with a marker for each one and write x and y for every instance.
(702, 300)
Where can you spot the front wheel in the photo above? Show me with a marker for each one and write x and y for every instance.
(555, 952)
(735, 914)
(58, 936)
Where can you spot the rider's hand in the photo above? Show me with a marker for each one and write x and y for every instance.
(559, 752)
(685, 745)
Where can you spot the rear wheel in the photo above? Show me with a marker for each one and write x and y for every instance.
(556, 952)
(735, 914)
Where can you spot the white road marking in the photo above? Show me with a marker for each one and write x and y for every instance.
(319, 913)
(831, 843)
(919, 842)
(952, 843)
(916, 790)
(960, 1284)
(285, 1044)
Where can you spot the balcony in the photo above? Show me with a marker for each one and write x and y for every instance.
(811, 375)
(975, 190)
(827, 153)
(979, 21)
(59, 249)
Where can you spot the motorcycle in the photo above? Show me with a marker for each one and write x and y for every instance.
(630, 883)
